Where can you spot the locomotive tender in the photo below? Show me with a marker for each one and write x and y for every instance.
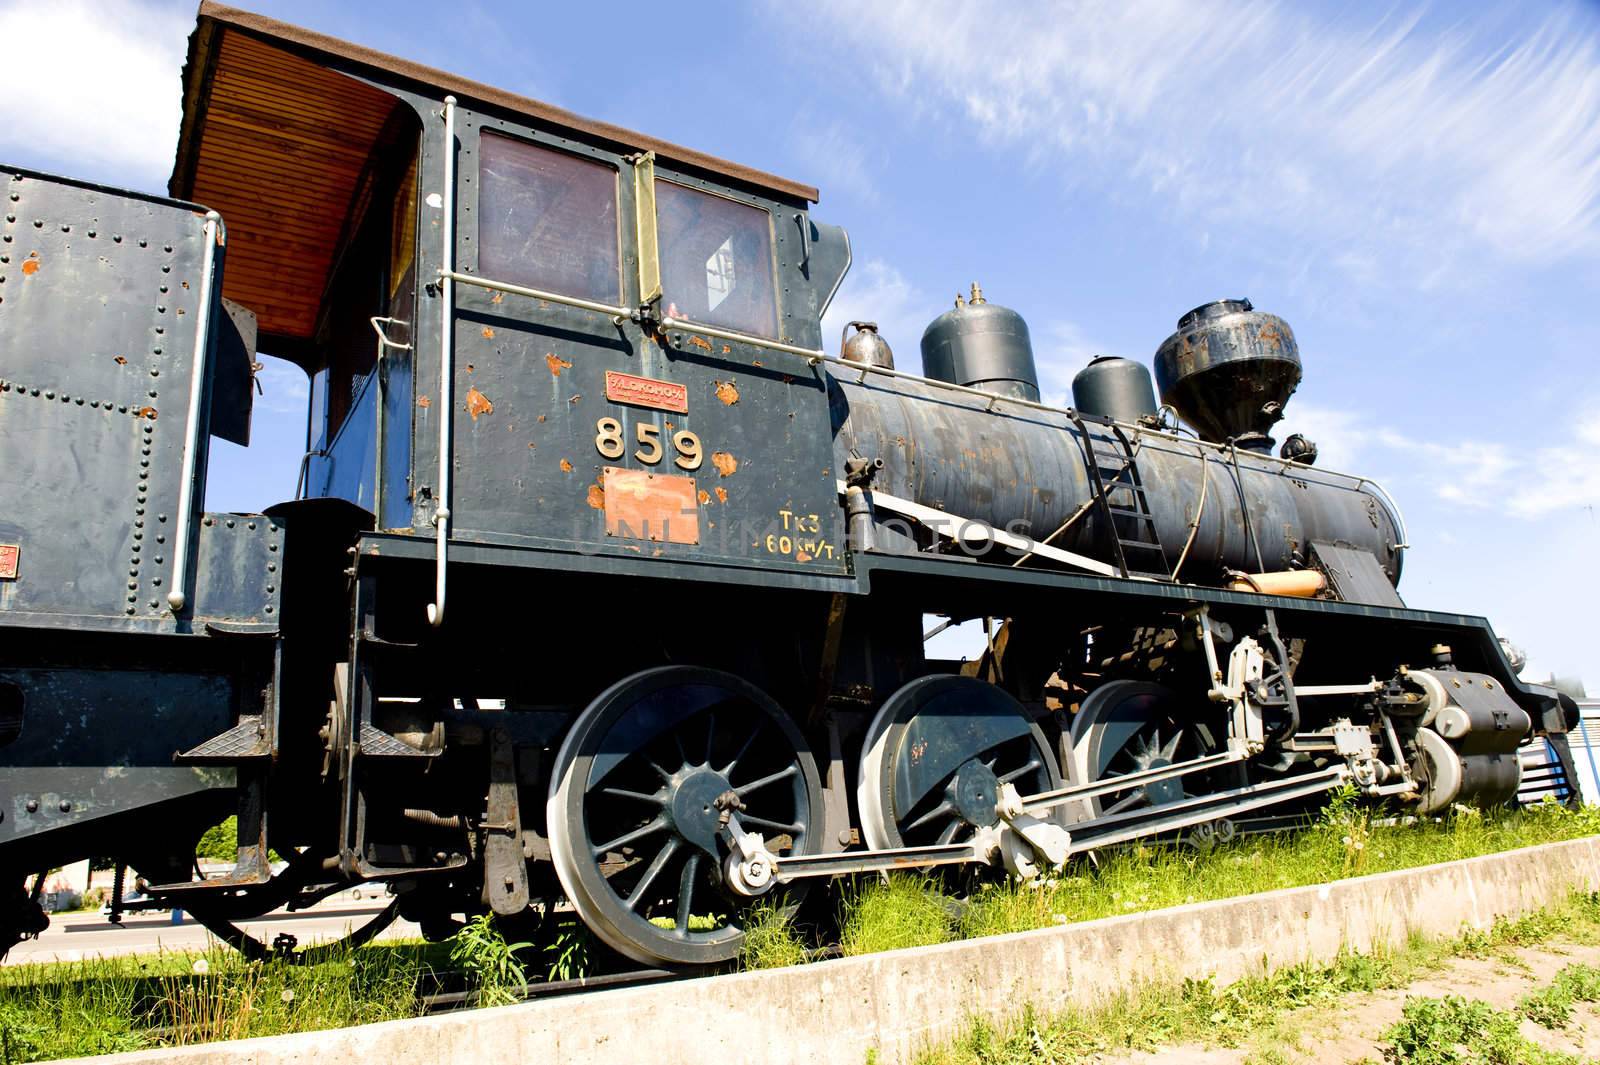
(604, 581)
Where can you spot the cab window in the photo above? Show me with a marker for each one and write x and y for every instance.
(716, 260)
(547, 220)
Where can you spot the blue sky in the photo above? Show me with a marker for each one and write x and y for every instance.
(1416, 189)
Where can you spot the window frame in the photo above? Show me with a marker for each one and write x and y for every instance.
(705, 188)
(469, 239)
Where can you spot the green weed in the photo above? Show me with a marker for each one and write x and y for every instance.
(489, 962)
(895, 912)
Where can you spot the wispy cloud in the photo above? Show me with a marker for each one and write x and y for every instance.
(1428, 144)
(94, 85)
(284, 387)
(1460, 471)
(841, 159)
(874, 291)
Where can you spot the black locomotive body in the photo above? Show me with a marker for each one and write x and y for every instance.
(605, 582)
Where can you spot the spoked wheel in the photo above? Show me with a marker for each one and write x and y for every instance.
(633, 821)
(1125, 726)
(935, 757)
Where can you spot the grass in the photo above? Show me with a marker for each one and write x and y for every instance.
(105, 1005)
(1257, 1010)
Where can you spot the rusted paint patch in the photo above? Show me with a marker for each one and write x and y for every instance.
(478, 403)
(700, 342)
(597, 496)
(30, 265)
(647, 392)
(704, 496)
(722, 494)
(726, 349)
(488, 334)
(148, 412)
(801, 556)
(556, 364)
(566, 467)
(119, 360)
(725, 463)
(498, 297)
(424, 402)
(9, 555)
(541, 417)
(728, 392)
(649, 506)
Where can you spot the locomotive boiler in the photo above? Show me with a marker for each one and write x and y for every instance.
(605, 583)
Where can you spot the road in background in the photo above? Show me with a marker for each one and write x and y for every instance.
(87, 934)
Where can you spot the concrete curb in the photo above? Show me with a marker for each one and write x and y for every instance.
(900, 1002)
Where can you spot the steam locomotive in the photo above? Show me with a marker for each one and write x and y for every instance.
(604, 581)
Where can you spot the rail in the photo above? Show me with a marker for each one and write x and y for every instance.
(178, 597)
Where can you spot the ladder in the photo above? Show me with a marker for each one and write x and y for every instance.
(1112, 460)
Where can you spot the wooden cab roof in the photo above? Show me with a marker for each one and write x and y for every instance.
(278, 127)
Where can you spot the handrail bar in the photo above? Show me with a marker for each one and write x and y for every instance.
(179, 595)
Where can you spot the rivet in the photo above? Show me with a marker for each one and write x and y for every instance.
(156, 350)
(138, 510)
(166, 247)
(145, 450)
(116, 238)
(138, 523)
(144, 463)
(230, 523)
(161, 539)
(66, 806)
(49, 394)
(136, 549)
(159, 560)
(128, 610)
(272, 547)
(153, 604)
(155, 373)
(161, 517)
(91, 234)
(138, 535)
(38, 223)
(163, 288)
(161, 308)
(156, 581)
(65, 228)
(269, 610)
(251, 526)
(166, 269)
(208, 522)
(133, 585)
(122, 408)
(272, 567)
(143, 243)
(33, 806)
(133, 571)
(160, 329)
